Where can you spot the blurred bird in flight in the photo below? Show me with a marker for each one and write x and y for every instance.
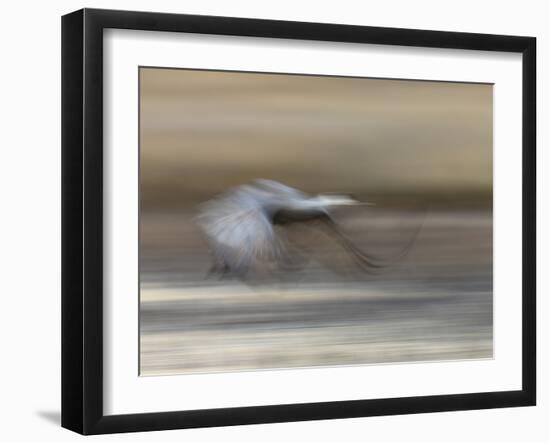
(239, 226)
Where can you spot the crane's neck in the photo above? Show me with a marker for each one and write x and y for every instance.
(308, 208)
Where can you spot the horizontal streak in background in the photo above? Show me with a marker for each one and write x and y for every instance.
(403, 144)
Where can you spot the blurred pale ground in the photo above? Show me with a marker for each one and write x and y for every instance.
(403, 144)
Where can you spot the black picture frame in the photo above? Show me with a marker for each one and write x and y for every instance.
(82, 221)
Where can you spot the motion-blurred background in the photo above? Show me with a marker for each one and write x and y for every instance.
(421, 150)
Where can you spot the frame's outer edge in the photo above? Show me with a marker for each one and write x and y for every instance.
(93, 222)
(529, 195)
(82, 221)
(294, 30)
(72, 221)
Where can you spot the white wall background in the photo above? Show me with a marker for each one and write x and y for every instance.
(30, 222)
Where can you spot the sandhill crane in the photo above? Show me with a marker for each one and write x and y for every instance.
(239, 226)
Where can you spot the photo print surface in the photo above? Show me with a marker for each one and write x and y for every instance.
(295, 221)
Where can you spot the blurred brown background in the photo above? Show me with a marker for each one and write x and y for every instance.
(204, 131)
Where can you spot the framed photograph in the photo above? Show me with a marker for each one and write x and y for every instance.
(268, 221)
